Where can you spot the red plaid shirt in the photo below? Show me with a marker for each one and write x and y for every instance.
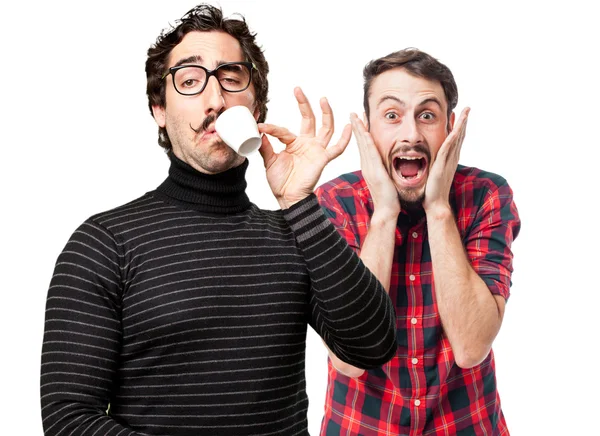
(421, 391)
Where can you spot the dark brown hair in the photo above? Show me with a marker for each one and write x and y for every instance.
(417, 63)
(204, 18)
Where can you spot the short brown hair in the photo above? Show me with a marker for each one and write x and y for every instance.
(417, 63)
(204, 18)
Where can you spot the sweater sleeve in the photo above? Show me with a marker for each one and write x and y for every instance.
(350, 309)
(82, 337)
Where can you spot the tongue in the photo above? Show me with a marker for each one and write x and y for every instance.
(409, 168)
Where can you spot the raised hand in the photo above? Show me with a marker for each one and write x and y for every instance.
(382, 189)
(293, 173)
(444, 166)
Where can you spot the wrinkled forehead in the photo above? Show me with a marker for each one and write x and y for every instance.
(398, 84)
(208, 49)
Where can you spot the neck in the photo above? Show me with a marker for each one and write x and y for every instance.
(215, 193)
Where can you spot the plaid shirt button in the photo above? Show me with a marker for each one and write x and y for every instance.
(417, 403)
(415, 235)
(413, 321)
(415, 360)
(411, 277)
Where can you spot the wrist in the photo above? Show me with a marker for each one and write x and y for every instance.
(283, 204)
(439, 212)
(385, 216)
(287, 202)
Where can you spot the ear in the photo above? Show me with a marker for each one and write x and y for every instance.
(158, 112)
(256, 113)
(451, 122)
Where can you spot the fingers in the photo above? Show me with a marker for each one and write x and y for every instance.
(281, 133)
(458, 132)
(461, 131)
(453, 143)
(358, 126)
(326, 130)
(337, 149)
(266, 151)
(461, 125)
(308, 124)
(366, 146)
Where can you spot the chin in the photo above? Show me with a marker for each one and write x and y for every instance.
(228, 159)
(411, 195)
(217, 159)
(411, 200)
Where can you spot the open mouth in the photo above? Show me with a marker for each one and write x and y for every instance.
(410, 168)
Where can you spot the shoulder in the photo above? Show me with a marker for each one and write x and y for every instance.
(349, 191)
(346, 200)
(97, 237)
(480, 196)
(121, 217)
(475, 186)
(478, 178)
(348, 183)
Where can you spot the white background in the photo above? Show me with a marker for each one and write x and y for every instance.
(77, 138)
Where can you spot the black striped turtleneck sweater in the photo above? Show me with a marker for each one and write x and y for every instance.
(186, 311)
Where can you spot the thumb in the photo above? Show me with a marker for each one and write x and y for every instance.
(266, 151)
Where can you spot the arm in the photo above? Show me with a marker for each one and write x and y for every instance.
(377, 251)
(82, 337)
(472, 285)
(470, 305)
(350, 309)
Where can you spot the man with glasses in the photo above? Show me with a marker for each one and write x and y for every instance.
(184, 312)
(438, 236)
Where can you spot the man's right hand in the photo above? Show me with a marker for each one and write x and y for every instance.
(343, 367)
(382, 189)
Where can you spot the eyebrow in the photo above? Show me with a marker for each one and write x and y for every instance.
(401, 103)
(189, 60)
(390, 97)
(431, 100)
(197, 59)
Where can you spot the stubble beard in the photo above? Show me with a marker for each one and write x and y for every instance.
(411, 201)
(211, 156)
(216, 157)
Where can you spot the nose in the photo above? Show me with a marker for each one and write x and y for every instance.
(410, 132)
(212, 95)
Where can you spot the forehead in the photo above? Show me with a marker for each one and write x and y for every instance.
(213, 47)
(399, 83)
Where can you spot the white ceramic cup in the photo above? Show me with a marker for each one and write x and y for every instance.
(238, 129)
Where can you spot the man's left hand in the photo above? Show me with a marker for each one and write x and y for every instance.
(294, 172)
(439, 182)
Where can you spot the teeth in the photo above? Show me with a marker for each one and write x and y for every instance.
(408, 157)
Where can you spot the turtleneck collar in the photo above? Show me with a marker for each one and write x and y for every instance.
(214, 193)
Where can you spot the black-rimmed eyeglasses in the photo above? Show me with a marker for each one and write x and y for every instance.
(192, 79)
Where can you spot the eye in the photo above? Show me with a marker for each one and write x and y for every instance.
(232, 80)
(427, 116)
(391, 116)
(189, 83)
